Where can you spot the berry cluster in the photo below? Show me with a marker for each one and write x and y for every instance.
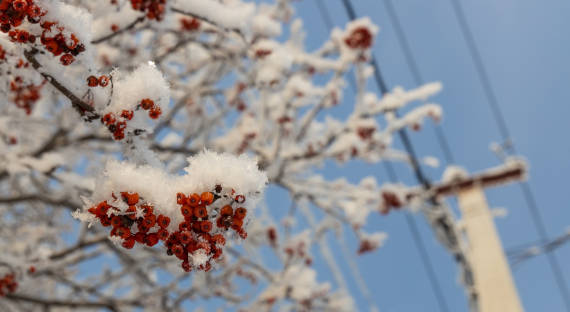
(390, 201)
(21, 36)
(365, 133)
(201, 234)
(55, 42)
(189, 24)
(154, 8)
(359, 38)
(8, 284)
(25, 95)
(117, 125)
(13, 13)
(102, 81)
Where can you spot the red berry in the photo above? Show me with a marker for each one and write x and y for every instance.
(193, 200)
(116, 221)
(236, 224)
(151, 239)
(180, 198)
(149, 220)
(155, 112)
(92, 81)
(20, 5)
(34, 11)
(147, 104)
(143, 227)
(53, 47)
(207, 198)
(200, 212)
(186, 211)
(103, 81)
(227, 210)
(185, 237)
(178, 250)
(130, 198)
(147, 209)
(22, 36)
(206, 226)
(127, 114)
(240, 213)
(163, 221)
(184, 226)
(129, 242)
(162, 234)
(66, 59)
(139, 237)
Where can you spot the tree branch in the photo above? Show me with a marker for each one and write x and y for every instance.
(84, 109)
(118, 32)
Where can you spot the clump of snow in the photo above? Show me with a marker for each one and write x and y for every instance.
(121, 18)
(144, 82)
(375, 240)
(199, 258)
(229, 14)
(45, 163)
(238, 175)
(431, 161)
(400, 97)
(74, 19)
(263, 24)
(454, 173)
(299, 282)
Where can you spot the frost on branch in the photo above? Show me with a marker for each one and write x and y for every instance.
(229, 76)
(193, 214)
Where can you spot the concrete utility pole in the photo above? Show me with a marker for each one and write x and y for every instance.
(493, 282)
(491, 272)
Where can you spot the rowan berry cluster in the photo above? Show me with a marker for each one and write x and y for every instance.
(390, 201)
(118, 124)
(365, 133)
(299, 251)
(55, 42)
(154, 8)
(189, 24)
(25, 95)
(359, 38)
(8, 284)
(196, 236)
(13, 13)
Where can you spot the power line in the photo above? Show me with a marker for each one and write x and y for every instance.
(418, 80)
(521, 254)
(410, 221)
(412, 225)
(503, 129)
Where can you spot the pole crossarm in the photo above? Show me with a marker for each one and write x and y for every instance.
(511, 171)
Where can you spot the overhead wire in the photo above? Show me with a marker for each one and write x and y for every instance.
(412, 225)
(443, 223)
(499, 117)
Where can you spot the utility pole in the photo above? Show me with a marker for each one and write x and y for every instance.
(494, 286)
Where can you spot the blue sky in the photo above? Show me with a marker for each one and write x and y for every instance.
(524, 48)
